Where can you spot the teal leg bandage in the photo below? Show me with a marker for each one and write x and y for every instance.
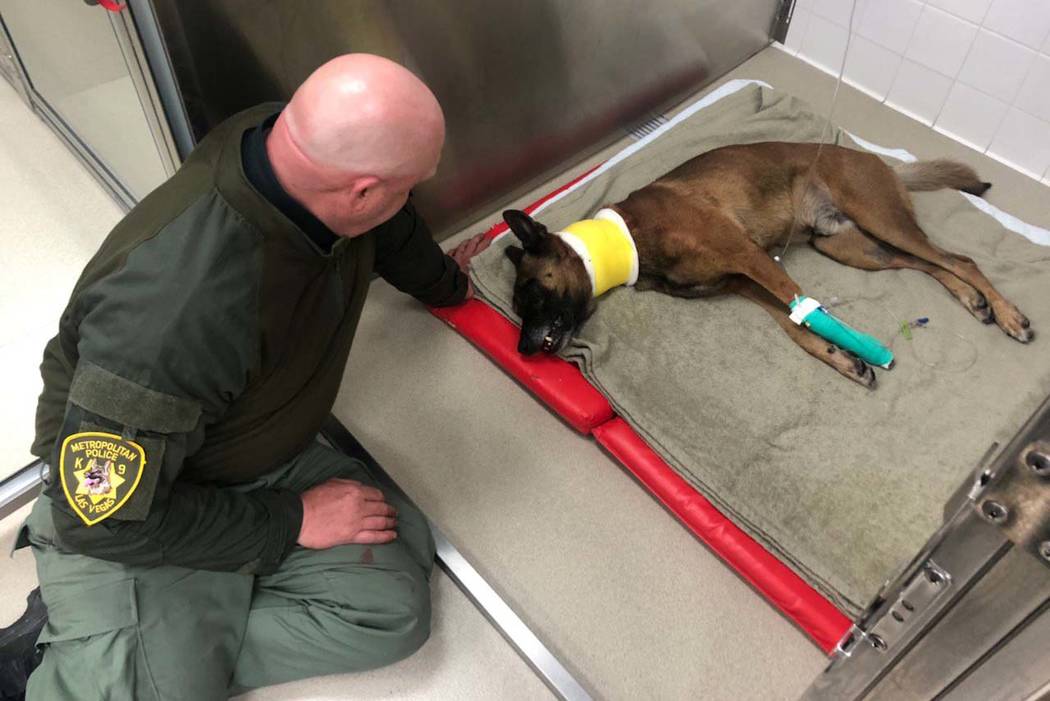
(808, 311)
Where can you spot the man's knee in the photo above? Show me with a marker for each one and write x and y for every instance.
(408, 638)
(392, 608)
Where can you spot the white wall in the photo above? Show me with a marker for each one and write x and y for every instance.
(975, 70)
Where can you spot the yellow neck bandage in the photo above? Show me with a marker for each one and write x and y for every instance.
(605, 246)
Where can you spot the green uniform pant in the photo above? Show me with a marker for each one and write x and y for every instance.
(118, 632)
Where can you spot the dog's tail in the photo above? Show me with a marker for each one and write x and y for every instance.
(941, 173)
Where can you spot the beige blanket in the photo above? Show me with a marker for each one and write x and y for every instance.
(842, 483)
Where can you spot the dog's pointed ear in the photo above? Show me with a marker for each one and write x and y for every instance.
(529, 231)
(515, 254)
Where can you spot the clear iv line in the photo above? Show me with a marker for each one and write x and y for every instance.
(827, 124)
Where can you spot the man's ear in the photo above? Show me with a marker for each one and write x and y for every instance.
(361, 189)
(529, 231)
(515, 254)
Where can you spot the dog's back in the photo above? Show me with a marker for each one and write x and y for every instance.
(753, 183)
(768, 187)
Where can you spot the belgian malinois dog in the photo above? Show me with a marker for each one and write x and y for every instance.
(705, 229)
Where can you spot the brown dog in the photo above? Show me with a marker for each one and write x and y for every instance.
(705, 227)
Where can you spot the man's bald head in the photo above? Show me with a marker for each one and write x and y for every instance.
(359, 124)
(362, 113)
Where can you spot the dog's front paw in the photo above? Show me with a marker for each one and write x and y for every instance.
(851, 366)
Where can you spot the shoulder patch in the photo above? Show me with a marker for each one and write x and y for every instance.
(99, 472)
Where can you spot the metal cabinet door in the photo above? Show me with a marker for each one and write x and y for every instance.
(86, 78)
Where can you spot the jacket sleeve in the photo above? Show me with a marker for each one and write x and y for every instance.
(165, 344)
(409, 259)
(167, 521)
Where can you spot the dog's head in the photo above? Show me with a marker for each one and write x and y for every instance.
(552, 291)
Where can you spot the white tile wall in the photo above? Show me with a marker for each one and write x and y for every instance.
(834, 10)
(871, 67)
(971, 116)
(918, 91)
(941, 41)
(1027, 21)
(975, 70)
(1035, 93)
(825, 43)
(996, 65)
(970, 10)
(890, 23)
(1023, 140)
(799, 23)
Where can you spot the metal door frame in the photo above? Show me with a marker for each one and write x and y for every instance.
(979, 583)
(18, 78)
(156, 60)
(142, 78)
(125, 28)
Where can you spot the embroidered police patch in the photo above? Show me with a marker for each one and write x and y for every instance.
(99, 473)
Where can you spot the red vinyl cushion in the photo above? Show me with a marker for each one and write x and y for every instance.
(775, 580)
(558, 383)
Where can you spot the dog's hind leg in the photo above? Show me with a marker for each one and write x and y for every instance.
(815, 209)
(844, 363)
(854, 248)
(884, 212)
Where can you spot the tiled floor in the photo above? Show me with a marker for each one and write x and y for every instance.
(629, 600)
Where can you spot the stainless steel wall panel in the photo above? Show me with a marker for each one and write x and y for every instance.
(527, 86)
(10, 68)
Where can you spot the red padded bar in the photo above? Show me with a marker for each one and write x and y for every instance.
(558, 383)
(775, 580)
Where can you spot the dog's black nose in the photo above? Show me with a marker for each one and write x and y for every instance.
(524, 347)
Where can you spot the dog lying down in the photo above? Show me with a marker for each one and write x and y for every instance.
(705, 229)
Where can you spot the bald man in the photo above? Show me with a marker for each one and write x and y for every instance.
(194, 540)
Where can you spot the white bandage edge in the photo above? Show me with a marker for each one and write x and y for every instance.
(575, 243)
(803, 309)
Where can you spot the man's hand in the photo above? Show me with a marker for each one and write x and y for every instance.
(342, 511)
(467, 250)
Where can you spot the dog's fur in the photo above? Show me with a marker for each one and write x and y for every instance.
(705, 228)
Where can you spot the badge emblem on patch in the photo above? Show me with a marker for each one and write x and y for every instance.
(99, 472)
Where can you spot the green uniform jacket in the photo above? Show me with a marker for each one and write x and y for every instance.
(211, 334)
